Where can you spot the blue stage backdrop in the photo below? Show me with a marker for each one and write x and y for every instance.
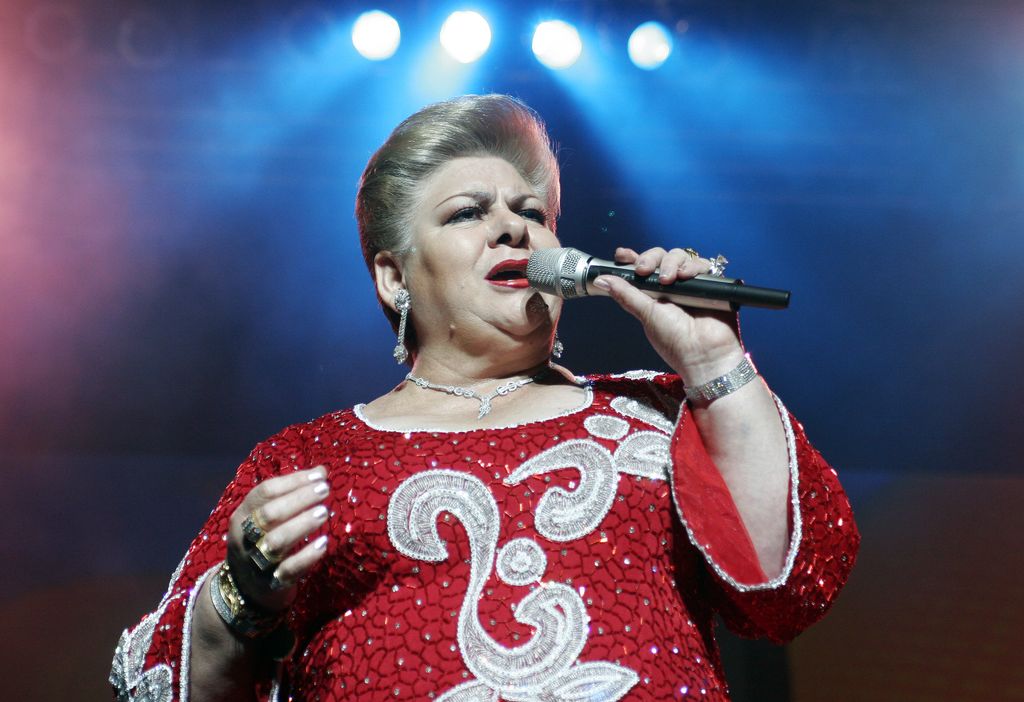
(180, 276)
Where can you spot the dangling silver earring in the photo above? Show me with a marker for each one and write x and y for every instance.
(557, 348)
(402, 302)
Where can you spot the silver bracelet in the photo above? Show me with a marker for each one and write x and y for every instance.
(724, 384)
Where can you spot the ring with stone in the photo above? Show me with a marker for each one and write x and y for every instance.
(263, 557)
(253, 528)
(718, 264)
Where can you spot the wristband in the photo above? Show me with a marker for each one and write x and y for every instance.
(724, 384)
(246, 620)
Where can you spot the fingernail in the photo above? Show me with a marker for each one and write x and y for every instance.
(320, 543)
(602, 283)
(320, 488)
(320, 512)
(317, 473)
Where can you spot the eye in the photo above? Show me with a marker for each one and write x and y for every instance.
(465, 214)
(536, 215)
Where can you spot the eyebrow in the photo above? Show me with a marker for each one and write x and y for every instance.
(487, 197)
(478, 195)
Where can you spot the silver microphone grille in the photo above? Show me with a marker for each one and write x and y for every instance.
(542, 270)
(554, 271)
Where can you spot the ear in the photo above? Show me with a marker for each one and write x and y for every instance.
(387, 273)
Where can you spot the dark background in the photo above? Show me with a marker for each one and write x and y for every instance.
(180, 277)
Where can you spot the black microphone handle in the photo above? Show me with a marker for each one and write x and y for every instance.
(703, 291)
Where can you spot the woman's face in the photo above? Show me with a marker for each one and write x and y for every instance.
(475, 225)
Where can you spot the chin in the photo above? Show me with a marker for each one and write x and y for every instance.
(526, 318)
(526, 328)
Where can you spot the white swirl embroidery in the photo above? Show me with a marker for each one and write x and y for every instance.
(597, 680)
(567, 516)
(638, 374)
(472, 691)
(644, 453)
(636, 409)
(542, 669)
(126, 675)
(604, 426)
(521, 562)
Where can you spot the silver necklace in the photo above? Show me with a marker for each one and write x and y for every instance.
(484, 400)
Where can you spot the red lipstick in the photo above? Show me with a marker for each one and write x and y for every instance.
(509, 274)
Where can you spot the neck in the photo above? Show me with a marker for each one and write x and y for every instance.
(451, 367)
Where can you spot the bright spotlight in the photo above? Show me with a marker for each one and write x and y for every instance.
(556, 44)
(465, 35)
(376, 35)
(649, 45)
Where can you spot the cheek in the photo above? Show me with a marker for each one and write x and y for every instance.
(453, 273)
(555, 305)
(447, 262)
(544, 236)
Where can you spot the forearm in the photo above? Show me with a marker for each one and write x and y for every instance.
(221, 668)
(744, 436)
(742, 431)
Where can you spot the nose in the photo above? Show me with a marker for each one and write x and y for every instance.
(510, 230)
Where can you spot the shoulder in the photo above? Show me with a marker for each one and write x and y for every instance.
(309, 438)
(637, 382)
(652, 397)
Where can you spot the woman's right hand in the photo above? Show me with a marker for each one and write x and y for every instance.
(289, 508)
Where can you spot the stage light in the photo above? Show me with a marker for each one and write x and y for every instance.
(465, 35)
(556, 44)
(376, 35)
(649, 45)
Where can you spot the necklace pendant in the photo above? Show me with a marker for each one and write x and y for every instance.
(484, 400)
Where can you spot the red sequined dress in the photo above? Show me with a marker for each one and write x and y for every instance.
(580, 557)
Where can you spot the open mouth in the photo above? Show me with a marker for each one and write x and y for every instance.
(510, 274)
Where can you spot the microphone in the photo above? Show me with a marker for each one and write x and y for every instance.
(569, 273)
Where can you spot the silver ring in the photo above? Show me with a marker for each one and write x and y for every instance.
(251, 531)
(718, 264)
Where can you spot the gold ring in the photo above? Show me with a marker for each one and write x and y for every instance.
(262, 557)
(693, 252)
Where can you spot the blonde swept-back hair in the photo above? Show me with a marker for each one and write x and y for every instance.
(471, 125)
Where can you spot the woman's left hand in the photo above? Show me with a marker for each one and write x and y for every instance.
(697, 344)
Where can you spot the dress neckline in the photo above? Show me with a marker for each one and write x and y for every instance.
(583, 382)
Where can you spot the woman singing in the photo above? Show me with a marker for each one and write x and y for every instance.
(496, 527)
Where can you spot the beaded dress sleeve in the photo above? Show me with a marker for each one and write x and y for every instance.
(823, 538)
(151, 662)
